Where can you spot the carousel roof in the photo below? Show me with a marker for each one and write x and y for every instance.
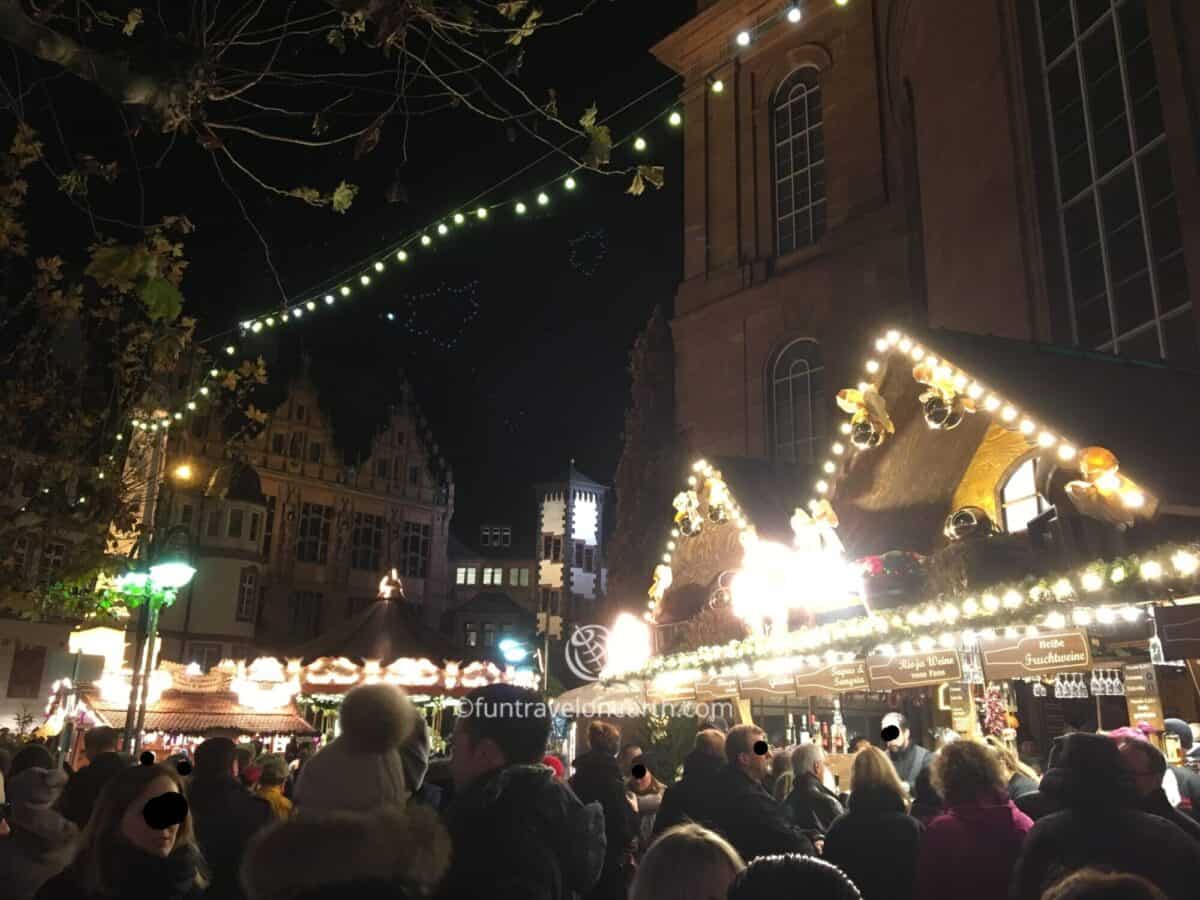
(387, 630)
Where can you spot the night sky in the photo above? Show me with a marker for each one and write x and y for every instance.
(515, 334)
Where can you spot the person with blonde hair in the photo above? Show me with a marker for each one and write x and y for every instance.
(687, 862)
(978, 838)
(1019, 779)
(876, 841)
(138, 843)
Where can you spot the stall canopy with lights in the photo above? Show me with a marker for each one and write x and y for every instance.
(974, 487)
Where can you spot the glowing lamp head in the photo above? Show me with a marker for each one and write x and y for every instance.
(513, 651)
(171, 574)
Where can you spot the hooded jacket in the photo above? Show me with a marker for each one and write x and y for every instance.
(811, 805)
(1100, 825)
(681, 802)
(976, 844)
(876, 844)
(390, 853)
(520, 834)
(598, 779)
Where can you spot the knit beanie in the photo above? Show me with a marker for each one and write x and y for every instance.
(363, 768)
(1182, 730)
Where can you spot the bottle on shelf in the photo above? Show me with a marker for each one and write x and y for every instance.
(826, 743)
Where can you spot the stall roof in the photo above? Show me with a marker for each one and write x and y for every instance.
(179, 712)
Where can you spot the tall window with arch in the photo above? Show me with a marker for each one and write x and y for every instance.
(1020, 501)
(799, 140)
(797, 401)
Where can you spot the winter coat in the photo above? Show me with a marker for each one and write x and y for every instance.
(876, 844)
(135, 876)
(1157, 804)
(1020, 784)
(29, 857)
(810, 805)
(741, 810)
(385, 855)
(910, 762)
(681, 802)
(79, 796)
(520, 834)
(225, 816)
(974, 844)
(1100, 826)
(281, 806)
(598, 779)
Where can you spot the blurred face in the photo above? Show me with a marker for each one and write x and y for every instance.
(756, 765)
(469, 759)
(901, 740)
(1145, 779)
(134, 828)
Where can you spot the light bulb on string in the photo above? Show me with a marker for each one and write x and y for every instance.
(794, 14)
(345, 290)
(743, 39)
(675, 119)
(718, 86)
(365, 279)
(426, 240)
(230, 350)
(569, 183)
(256, 327)
(520, 207)
(639, 144)
(442, 229)
(379, 266)
(459, 218)
(543, 198)
(329, 299)
(481, 213)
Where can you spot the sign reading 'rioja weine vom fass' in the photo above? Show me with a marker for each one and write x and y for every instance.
(1045, 653)
(888, 673)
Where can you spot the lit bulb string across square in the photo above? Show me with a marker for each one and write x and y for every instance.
(1101, 593)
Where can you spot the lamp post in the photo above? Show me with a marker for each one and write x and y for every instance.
(153, 588)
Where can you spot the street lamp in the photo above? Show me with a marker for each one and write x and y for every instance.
(155, 587)
(513, 651)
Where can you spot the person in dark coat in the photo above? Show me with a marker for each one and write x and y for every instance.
(39, 844)
(130, 850)
(226, 815)
(1187, 777)
(977, 839)
(739, 808)
(910, 759)
(876, 841)
(517, 832)
(1045, 799)
(1147, 765)
(681, 802)
(1099, 825)
(811, 806)
(598, 779)
(104, 762)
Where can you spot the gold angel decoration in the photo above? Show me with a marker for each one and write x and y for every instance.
(816, 533)
(942, 404)
(687, 513)
(870, 422)
(662, 583)
(1104, 493)
(718, 498)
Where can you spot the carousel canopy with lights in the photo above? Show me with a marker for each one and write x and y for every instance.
(975, 486)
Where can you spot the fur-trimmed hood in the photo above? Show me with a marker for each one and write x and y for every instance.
(328, 854)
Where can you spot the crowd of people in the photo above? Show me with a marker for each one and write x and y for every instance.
(365, 817)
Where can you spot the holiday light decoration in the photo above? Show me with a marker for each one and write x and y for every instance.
(265, 685)
(628, 647)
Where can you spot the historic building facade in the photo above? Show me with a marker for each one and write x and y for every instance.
(1025, 169)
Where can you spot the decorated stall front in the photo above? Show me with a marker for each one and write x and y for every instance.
(987, 537)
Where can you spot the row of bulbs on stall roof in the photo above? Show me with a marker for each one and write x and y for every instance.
(744, 38)
(1185, 563)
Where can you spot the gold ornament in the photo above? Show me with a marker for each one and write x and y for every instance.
(1104, 493)
(942, 404)
(662, 582)
(870, 422)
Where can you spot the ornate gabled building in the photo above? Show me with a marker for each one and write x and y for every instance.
(312, 554)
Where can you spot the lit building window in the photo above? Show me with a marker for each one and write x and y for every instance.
(1019, 498)
(799, 161)
(247, 601)
(797, 401)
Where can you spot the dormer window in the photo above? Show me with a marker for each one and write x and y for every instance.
(1020, 501)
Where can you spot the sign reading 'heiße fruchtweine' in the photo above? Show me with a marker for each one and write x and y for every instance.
(1028, 656)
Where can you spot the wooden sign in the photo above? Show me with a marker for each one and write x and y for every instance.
(888, 673)
(1141, 696)
(768, 687)
(1067, 650)
(1179, 631)
(720, 687)
(670, 690)
(963, 717)
(833, 679)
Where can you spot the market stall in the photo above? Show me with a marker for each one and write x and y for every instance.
(984, 545)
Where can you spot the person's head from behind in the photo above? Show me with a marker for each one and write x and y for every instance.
(809, 759)
(686, 862)
(964, 770)
(781, 761)
(746, 749)
(141, 809)
(858, 743)
(1092, 884)
(245, 756)
(273, 769)
(790, 877)
(711, 742)
(1146, 764)
(31, 756)
(498, 725)
(894, 729)
(873, 772)
(100, 740)
(604, 738)
(216, 758)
